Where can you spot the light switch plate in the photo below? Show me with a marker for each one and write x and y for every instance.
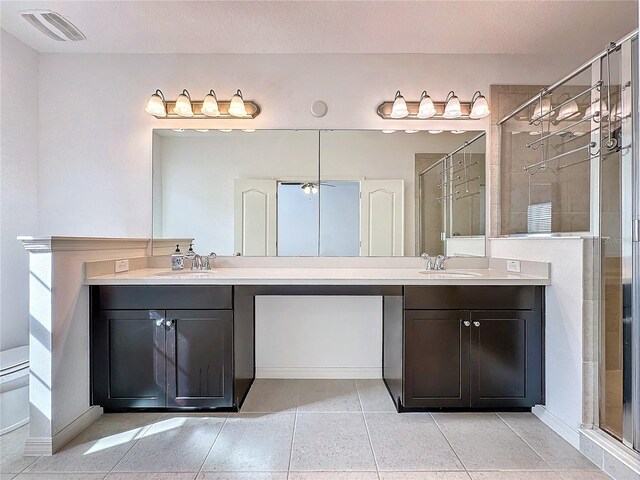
(122, 266)
(513, 266)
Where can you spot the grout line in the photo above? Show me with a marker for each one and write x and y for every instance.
(293, 435)
(449, 443)
(526, 443)
(366, 426)
(211, 447)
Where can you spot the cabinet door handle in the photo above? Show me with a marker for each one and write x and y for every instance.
(467, 323)
(159, 322)
(476, 324)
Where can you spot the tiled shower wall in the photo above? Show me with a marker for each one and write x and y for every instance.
(568, 189)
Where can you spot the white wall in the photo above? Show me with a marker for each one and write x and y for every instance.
(563, 327)
(318, 337)
(18, 184)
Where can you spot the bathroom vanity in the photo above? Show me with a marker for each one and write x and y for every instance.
(461, 340)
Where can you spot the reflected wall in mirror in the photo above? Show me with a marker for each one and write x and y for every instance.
(326, 193)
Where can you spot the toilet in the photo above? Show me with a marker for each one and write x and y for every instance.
(14, 388)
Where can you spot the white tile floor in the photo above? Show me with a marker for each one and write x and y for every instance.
(307, 430)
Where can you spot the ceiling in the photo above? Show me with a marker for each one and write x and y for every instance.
(570, 27)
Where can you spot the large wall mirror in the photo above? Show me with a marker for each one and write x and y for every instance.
(320, 193)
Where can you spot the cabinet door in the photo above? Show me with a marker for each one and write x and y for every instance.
(199, 358)
(436, 358)
(506, 358)
(128, 361)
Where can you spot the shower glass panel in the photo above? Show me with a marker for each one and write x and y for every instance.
(569, 163)
(616, 221)
(546, 160)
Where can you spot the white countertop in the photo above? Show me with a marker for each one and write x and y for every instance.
(316, 276)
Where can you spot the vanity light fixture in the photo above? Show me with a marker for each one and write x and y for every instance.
(411, 131)
(202, 130)
(210, 105)
(399, 108)
(479, 106)
(426, 108)
(452, 108)
(388, 131)
(248, 130)
(225, 130)
(183, 105)
(157, 106)
(435, 132)
(237, 108)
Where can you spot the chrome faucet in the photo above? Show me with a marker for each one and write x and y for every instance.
(433, 263)
(199, 262)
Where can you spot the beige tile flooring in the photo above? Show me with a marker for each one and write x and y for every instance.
(307, 430)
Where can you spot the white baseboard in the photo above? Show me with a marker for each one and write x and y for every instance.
(554, 423)
(320, 373)
(11, 428)
(39, 446)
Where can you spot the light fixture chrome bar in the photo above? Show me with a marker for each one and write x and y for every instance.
(598, 85)
(561, 155)
(568, 77)
(557, 132)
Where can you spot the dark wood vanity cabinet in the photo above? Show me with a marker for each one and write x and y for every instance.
(477, 348)
(169, 357)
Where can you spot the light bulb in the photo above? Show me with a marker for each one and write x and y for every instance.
(306, 188)
(314, 189)
(179, 130)
(479, 106)
(542, 109)
(388, 131)
(236, 107)
(225, 130)
(202, 130)
(601, 111)
(183, 105)
(156, 105)
(568, 110)
(210, 105)
(411, 131)
(435, 132)
(458, 132)
(249, 130)
(426, 108)
(452, 106)
(399, 108)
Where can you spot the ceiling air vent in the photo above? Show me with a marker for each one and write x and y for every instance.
(53, 25)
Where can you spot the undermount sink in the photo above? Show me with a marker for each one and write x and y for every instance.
(184, 272)
(457, 273)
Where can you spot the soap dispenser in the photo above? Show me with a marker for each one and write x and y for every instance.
(177, 259)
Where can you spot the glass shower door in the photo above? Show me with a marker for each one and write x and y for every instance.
(619, 282)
